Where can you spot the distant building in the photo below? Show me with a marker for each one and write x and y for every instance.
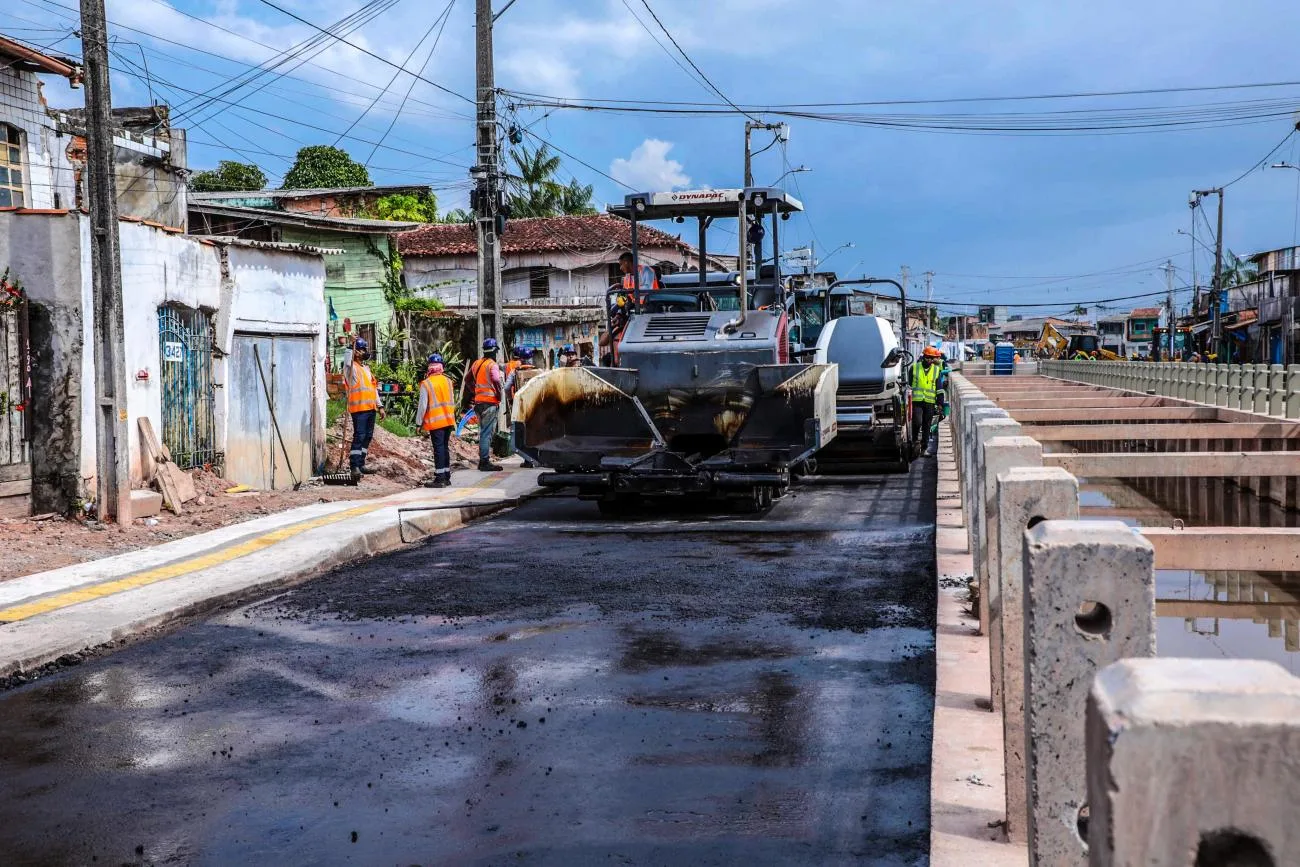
(556, 273)
(993, 314)
(1112, 331)
(1142, 323)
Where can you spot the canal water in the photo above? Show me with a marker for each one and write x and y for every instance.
(1210, 615)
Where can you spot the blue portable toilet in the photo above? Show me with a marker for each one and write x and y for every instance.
(1004, 359)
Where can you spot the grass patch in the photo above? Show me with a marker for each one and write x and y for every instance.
(334, 409)
(397, 427)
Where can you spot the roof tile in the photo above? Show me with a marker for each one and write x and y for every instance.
(583, 234)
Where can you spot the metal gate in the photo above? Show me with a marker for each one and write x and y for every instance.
(271, 384)
(188, 401)
(15, 393)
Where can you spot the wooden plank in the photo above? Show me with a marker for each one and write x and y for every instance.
(167, 483)
(1156, 465)
(1067, 415)
(1221, 549)
(16, 507)
(1189, 608)
(1223, 430)
(1104, 402)
(14, 472)
(17, 488)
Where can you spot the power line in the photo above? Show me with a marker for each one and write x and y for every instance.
(693, 64)
(393, 79)
(446, 15)
(1264, 158)
(366, 51)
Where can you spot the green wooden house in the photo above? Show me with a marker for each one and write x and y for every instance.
(360, 255)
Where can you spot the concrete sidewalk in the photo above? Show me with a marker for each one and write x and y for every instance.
(51, 615)
(967, 783)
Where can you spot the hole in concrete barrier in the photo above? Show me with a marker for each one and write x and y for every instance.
(1081, 826)
(1034, 522)
(1232, 848)
(1093, 620)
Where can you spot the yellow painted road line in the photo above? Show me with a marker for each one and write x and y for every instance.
(195, 564)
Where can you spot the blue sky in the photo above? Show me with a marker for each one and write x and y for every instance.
(1036, 208)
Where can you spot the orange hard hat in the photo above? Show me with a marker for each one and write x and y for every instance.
(931, 352)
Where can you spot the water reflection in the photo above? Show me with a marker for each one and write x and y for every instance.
(1211, 615)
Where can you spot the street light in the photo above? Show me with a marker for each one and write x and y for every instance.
(1206, 246)
(847, 245)
(1284, 166)
(793, 171)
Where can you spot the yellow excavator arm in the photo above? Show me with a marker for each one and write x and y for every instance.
(1051, 343)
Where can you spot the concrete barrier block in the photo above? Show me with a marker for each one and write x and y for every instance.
(1203, 389)
(1262, 389)
(976, 411)
(1293, 391)
(1193, 762)
(1089, 601)
(1276, 390)
(1025, 495)
(1002, 453)
(986, 428)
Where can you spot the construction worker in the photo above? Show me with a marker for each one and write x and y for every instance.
(1093, 356)
(925, 395)
(437, 414)
(569, 356)
(483, 388)
(648, 281)
(523, 356)
(363, 405)
(1080, 355)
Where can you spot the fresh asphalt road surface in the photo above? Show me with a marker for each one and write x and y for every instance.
(546, 687)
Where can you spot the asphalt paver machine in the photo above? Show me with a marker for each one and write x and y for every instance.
(697, 395)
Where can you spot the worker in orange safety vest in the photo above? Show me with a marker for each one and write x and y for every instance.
(483, 387)
(363, 405)
(437, 414)
(648, 281)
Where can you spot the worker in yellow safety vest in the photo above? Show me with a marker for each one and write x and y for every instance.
(437, 414)
(363, 405)
(925, 396)
(483, 387)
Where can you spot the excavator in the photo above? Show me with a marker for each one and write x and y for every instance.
(698, 396)
(1053, 344)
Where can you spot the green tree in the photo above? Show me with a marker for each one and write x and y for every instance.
(321, 166)
(534, 191)
(1237, 271)
(406, 208)
(457, 215)
(229, 176)
(576, 198)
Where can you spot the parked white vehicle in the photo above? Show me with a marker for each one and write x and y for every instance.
(872, 403)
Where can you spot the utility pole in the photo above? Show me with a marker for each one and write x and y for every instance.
(1171, 317)
(750, 126)
(487, 187)
(1216, 286)
(929, 298)
(905, 276)
(112, 458)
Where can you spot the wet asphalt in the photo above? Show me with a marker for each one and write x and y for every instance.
(545, 687)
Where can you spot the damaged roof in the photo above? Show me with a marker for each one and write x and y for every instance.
(294, 218)
(308, 194)
(587, 233)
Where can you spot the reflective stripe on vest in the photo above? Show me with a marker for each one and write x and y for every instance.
(440, 408)
(362, 394)
(925, 382)
(649, 282)
(481, 373)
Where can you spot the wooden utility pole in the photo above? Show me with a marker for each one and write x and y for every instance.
(487, 189)
(1171, 318)
(112, 457)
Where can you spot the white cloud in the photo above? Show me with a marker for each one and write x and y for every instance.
(648, 168)
(540, 71)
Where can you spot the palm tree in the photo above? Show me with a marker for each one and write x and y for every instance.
(534, 190)
(1238, 271)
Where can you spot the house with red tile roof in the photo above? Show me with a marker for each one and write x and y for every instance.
(555, 272)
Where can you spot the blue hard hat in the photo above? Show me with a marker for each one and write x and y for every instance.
(523, 352)
(435, 359)
(489, 344)
(568, 350)
(361, 343)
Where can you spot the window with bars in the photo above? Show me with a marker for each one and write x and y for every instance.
(11, 167)
(539, 282)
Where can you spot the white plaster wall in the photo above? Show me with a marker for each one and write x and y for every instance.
(46, 161)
